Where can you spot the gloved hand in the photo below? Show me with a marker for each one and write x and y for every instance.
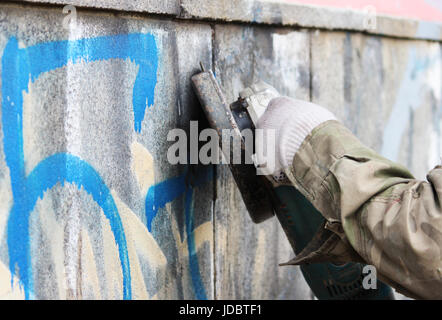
(291, 122)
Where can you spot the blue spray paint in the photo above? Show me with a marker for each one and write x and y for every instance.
(139, 48)
(167, 191)
(161, 194)
(19, 67)
(60, 168)
(200, 292)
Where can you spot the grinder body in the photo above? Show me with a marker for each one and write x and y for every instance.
(299, 219)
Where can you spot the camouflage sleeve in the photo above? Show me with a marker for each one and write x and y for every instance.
(392, 220)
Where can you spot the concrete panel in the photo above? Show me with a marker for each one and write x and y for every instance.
(91, 208)
(170, 7)
(309, 16)
(271, 12)
(387, 91)
(247, 255)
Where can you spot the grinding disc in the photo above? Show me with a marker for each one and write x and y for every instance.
(255, 189)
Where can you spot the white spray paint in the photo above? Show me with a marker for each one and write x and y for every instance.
(419, 71)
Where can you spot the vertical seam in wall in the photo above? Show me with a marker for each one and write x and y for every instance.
(79, 294)
(180, 8)
(310, 66)
(214, 229)
(215, 167)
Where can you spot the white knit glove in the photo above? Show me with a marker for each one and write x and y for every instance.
(291, 121)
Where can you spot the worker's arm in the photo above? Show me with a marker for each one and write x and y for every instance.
(391, 220)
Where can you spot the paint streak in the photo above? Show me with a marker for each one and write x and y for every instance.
(159, 195)
(59, 168)
(20, 67)
(164, 192)
(139, 48)
(200, 292)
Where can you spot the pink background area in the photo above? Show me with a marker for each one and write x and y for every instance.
(430, 10)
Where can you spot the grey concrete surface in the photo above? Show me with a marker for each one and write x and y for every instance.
(169, 7)
(386, 91)
(248, 254)
(269, 12)
(292, 14)
(85, 109)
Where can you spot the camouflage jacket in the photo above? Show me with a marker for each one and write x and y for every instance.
(378, 212)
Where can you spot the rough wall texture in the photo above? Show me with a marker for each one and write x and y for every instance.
(90, 206)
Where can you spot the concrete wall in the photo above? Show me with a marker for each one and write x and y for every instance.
(429, 10)
(90, 208)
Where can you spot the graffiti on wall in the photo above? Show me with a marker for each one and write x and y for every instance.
(419, 71)
(20, 68)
